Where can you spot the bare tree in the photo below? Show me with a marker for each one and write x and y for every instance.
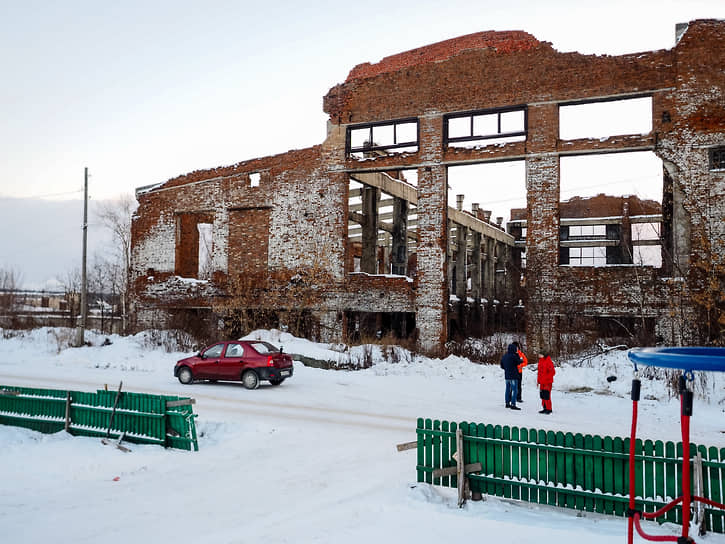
(10, 280)
(71, 283)
(116, 216)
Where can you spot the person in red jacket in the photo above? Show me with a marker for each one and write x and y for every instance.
(545, 379)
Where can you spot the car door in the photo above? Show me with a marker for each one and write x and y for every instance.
(208, 367)
(230, 366)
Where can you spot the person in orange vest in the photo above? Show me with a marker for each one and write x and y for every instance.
(524, 362)
(545, 379)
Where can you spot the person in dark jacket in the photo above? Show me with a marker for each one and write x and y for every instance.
(510, 362)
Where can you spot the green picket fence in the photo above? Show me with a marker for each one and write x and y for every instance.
(584, 472)
(143, 419)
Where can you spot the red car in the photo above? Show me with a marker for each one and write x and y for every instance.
(247, 360)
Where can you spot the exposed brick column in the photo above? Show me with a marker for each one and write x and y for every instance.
(399, 255)
(542, 250)
(432, 288)
(369, 259)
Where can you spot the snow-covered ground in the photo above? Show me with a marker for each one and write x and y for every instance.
(313, 460)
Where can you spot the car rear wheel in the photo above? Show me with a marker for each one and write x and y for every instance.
(250, 380)
(185, 376)
(276, 382)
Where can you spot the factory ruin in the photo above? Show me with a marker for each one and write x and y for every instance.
(360, 235)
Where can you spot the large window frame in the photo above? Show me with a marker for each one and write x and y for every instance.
(473, 114)
(371, 146)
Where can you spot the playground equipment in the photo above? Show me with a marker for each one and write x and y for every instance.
(688, 360)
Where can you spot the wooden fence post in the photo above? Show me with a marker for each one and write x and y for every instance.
(67, 412)
(460, 468)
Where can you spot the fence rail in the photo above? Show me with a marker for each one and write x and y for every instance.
(143, 419)
(584, 472)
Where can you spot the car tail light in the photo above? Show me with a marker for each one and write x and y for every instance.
(270, 360)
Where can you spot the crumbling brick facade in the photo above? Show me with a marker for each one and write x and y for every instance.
(283, 243)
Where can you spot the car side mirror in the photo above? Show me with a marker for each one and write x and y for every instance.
(202, 355)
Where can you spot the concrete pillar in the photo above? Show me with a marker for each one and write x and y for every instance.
(476, 266)
(369, 258)
(399, 257)
(461, 258)
(489, 285)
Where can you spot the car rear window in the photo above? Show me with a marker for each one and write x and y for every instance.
(263, 348)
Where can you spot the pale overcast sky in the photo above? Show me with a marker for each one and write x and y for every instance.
(141, 91)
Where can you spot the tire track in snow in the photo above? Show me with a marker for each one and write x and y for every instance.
(259, 406)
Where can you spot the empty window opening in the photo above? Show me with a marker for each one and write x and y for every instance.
(611, 209)
(607, 118)
(491, 191)
(647, 244)
(637, 173)
(375, 139)
(254, 179)
(717, 158)
(485, 127)
(205, 250)
(390, 246)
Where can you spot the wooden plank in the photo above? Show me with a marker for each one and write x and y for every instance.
(551, 468)
(490, 461)
(715, 479)
(180, 402)
(533, 466)
(524, 463)
(608, 473)
(619, 468)
(7, 393)
(506, 460)
(515, 464)
(589, 473)
(648, 477)
(543, 464)
(638, 471)
(498, 460)
(670, 481)
(420, 455)
(407, 446)
(453, 448)
(436, 450)
(579, 501)
(446, 451)
(113, 412)
(460, 468)
(67, 411)
(429, 450)
(450, 471)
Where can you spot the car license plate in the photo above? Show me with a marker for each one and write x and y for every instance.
(284, 373)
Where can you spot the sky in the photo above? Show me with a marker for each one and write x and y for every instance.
(314, 459)
(140, 92)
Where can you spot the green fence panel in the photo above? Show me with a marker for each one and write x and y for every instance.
(139, 417)
(589, 473)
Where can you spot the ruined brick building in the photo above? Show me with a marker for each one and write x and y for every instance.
(357, 232)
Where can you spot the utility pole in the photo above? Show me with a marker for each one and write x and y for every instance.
(80, 338)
